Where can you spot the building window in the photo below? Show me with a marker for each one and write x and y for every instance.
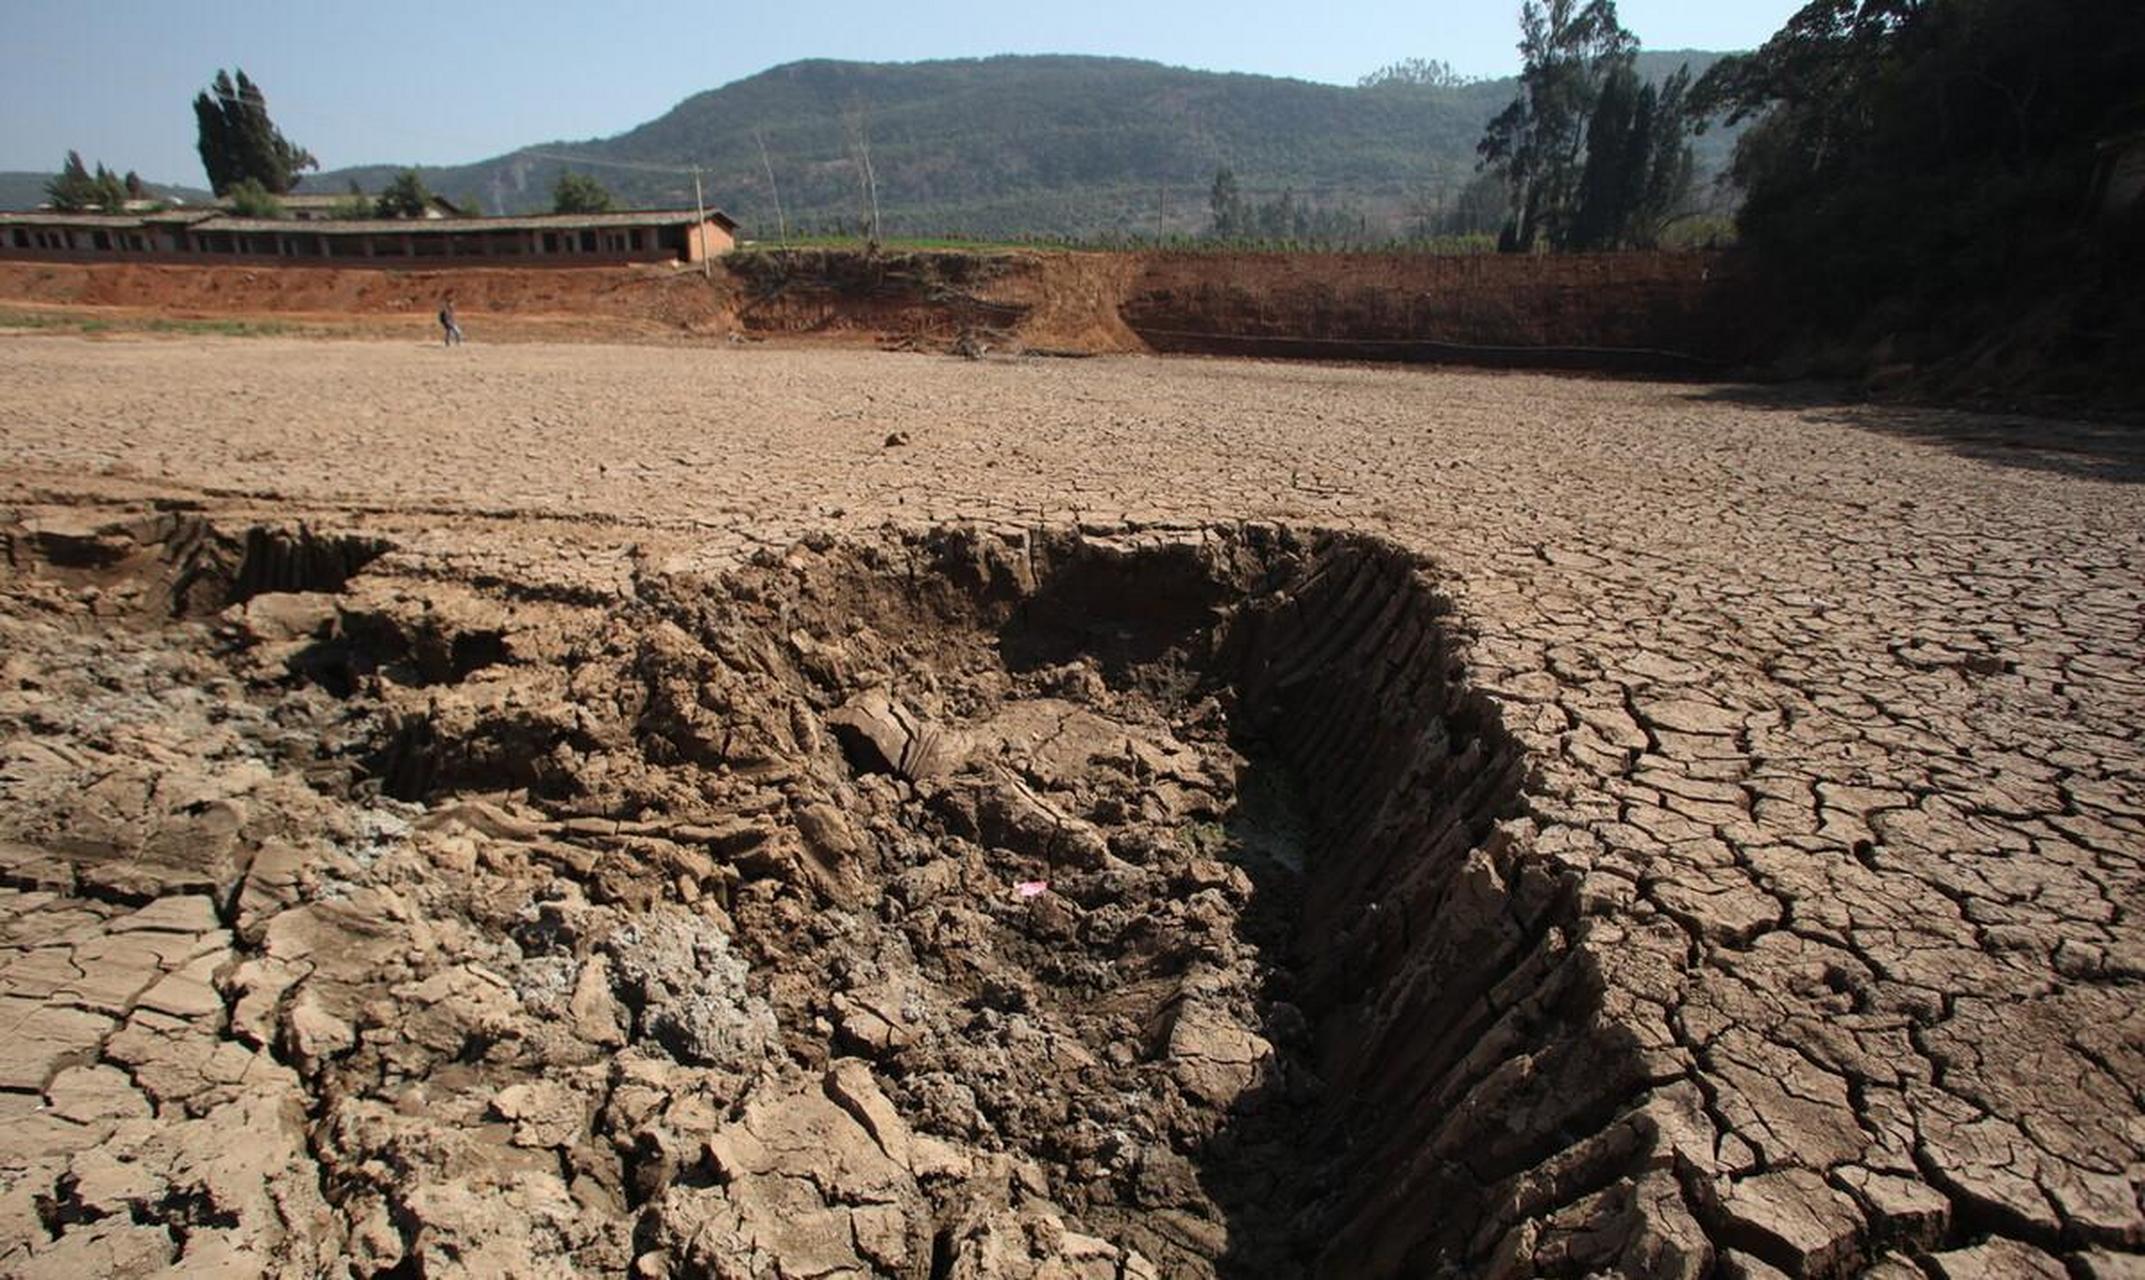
(22, 238)
(588, 242)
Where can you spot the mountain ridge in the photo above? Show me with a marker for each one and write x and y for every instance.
(1009, 145)
(1023, 144)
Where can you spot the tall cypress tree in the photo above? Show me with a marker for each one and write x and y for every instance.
(213, 137)
(1638, 166)
(238, 141)
(1591, 156)
(1538, 143)
(111, 194)
(72, 190)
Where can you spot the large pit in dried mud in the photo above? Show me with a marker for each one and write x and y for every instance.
(940, 903)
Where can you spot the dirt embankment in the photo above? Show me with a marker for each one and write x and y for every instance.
(559, 301)
(1652, 311)
(1633, 310)
(1065, 302)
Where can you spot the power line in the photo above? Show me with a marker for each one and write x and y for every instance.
(301, 111)
(309, 115)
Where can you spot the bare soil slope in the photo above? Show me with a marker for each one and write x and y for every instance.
(1650, 311)
(587, 301)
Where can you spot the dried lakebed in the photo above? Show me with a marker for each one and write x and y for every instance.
(403, 893)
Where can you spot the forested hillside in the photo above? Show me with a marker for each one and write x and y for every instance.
(1007, 146)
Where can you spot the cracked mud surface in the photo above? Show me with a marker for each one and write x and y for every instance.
(525, 815)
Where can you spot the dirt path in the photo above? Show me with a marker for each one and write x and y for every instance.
(1671, 833)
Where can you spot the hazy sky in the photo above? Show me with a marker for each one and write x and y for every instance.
(449, 81)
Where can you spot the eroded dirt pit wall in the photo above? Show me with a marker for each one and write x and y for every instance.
(945, 904)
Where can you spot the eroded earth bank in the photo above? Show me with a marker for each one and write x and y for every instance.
(399, 887)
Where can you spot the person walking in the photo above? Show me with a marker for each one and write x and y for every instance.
(452, 332)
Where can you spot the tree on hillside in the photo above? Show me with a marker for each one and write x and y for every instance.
(1569, 49)
(1276, 219)
(75, 190)
(1473, 207)
(404, 197)
(238, 141)
(1226, 204)
(579, 193)
(1427, 73)
(1234, 217)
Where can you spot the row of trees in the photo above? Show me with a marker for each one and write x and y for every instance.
(1282, 218)
(1587, 156)
(74, 189)
(1591, 157)
(1423, 73)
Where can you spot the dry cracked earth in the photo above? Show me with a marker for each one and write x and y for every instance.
(562, 810)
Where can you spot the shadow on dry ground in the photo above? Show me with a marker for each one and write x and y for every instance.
(2104, 450)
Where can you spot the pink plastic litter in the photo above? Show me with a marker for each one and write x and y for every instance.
(1031, 888)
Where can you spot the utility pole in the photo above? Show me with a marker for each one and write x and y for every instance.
(781, 223)
(700, 227)
(857, 123)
